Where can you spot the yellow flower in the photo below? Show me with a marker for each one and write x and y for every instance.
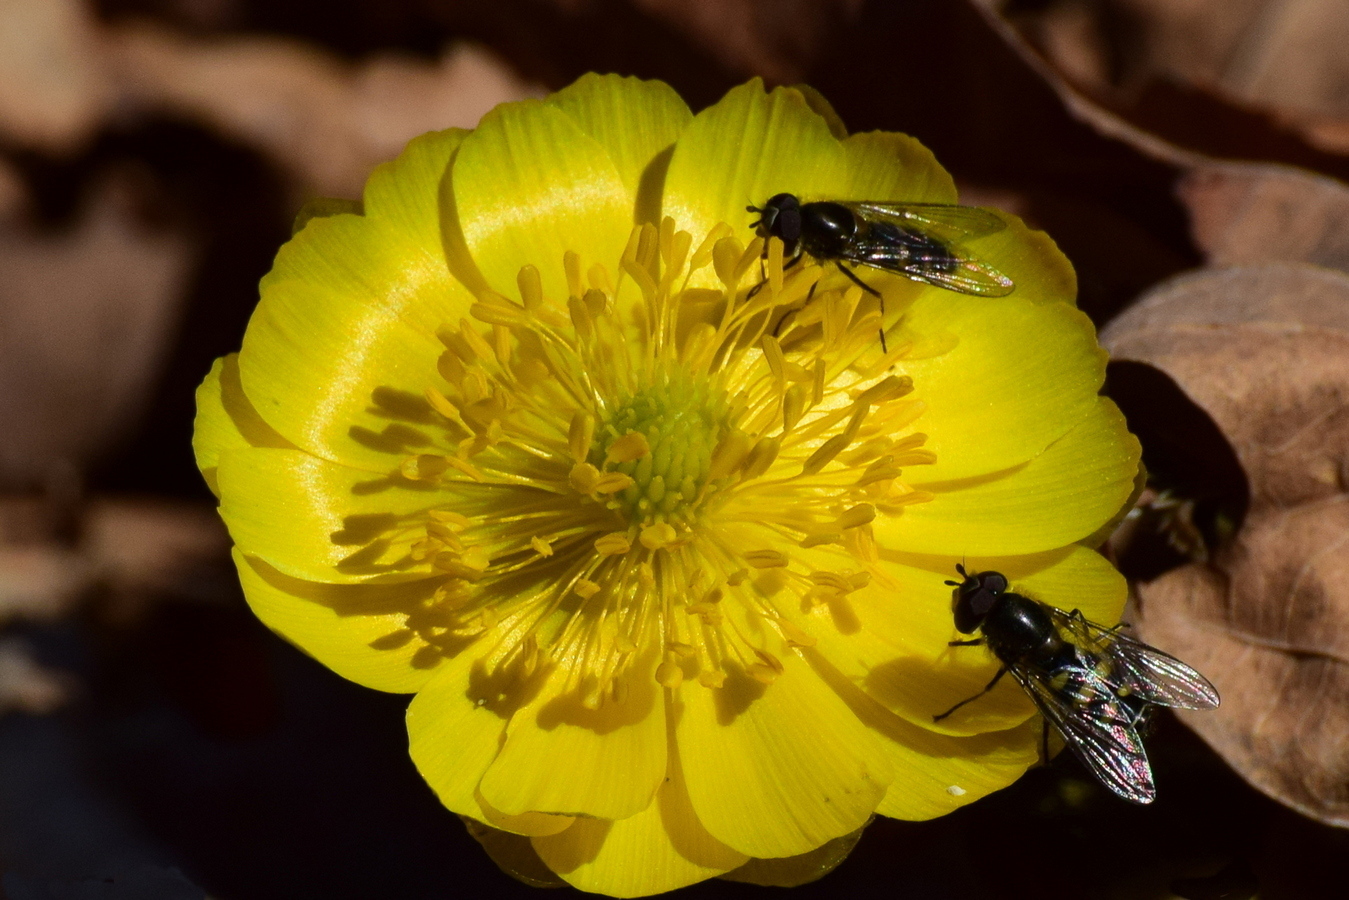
(661, 555)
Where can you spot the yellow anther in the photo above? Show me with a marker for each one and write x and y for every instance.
(737, 578)
(887, 388)
(793, 406)
(541, 547)
(581, 319)
(571, 264)
(505, 313)
(630, 446)
(818, 372)
(615, 543)
(423, 467)
(584, 478)
(596, 303)
(761, 456)
(794, 634)
(453, 594)
(775, 265)
(441, 404)
(488, 618)
(703, 255)
(859, 515)
(585, 588)
(451, 518)
(712, 678)
(669, 674)
(730, 452)
(726, 254)
(474, 340)
(624, 644)
(818, 538)
(772, 354)
(659, 536)
(531, 287)
(765, 559)
(579, 435)
(600, 280)
(679, 649)
(764, 674)
(613, 482)
(825, 454)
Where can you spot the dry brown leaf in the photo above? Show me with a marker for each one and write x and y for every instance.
(1263, 350)
(52, 89)
(777, 39)
(1244, 213)
(1283, 56)
(325, 121)
(87, 317)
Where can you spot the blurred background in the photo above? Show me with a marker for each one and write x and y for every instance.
(157, 742)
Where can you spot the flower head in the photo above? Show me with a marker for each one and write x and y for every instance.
(653, 524)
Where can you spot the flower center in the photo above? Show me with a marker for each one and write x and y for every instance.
(681, 420)
(635, 477)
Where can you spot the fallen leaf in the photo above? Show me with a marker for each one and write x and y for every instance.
(88, 315)
(1262, 350)
(1243, 213)
(52, 92)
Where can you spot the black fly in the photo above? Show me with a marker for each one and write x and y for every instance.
(1091, 683)
(917, 240)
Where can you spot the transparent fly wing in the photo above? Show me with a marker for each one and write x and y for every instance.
(1149, 674)
(947, 221)
(1100, 727)
(938, 266)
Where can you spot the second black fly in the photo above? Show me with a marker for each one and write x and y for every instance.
(1093, 684)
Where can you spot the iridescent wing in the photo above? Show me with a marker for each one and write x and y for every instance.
(948, 221)
(921, 241)
(1098, 725)
(1149, 674)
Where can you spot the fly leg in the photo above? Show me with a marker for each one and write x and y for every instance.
(789, 313)
(764, 277)
(996, 678)
(870, 290)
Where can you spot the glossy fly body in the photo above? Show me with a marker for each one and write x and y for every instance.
(920, 241)
(1091, 683)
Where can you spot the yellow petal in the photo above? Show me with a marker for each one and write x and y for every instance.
(889, 167)
(777, 770)
(793, 871)
(226, 420)
(320, 521)
(529, 185)
(455, 730)
(361, 632)
(743, 150)
(381, 278)
(637, 122)
(1059, 496)
(890, 638)
(613, 756)
(936, 773)
(991, 404)
(659, 849)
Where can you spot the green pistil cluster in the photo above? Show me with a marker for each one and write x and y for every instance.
(682, 421)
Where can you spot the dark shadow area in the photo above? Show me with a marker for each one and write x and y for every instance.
(1186, 455)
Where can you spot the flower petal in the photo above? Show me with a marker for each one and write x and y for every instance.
(890, 638)
(794, 871)
(320, 521)
(991, 404)
(360, 631)
(381, 277)
(615, 755)
(529, 185)
(659, 849)
(637, 122)
(1058, 497)
(226, 420)
(455, 731)
(744, 149)
(889, 167)
(777, 770)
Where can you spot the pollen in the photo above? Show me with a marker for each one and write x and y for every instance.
(636, 475)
